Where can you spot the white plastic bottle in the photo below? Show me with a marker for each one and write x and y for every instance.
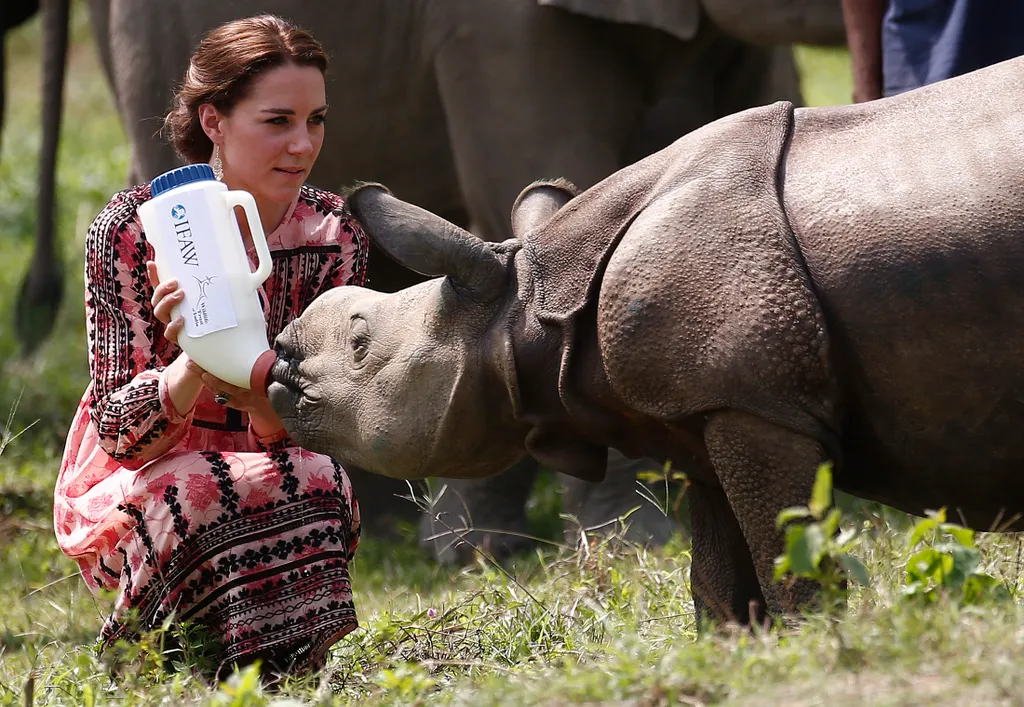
(191, 224)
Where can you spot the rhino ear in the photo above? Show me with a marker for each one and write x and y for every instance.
(425, 242)
(536, 204)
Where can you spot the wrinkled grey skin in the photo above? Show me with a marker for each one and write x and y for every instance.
(769, 22)
(765, 23)
(777, 289)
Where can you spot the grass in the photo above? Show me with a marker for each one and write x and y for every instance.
(597, 625)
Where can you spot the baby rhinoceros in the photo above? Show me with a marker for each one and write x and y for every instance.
(775, 290)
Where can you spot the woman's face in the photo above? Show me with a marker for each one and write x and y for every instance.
(271, 138)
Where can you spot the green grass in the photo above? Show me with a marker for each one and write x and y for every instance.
(593, 625)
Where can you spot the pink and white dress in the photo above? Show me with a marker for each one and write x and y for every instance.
(249, 538)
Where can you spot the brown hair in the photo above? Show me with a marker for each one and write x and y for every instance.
(222, 69)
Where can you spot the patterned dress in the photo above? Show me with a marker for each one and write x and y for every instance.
(247, 537)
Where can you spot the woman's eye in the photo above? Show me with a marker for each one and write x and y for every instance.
(318, 119)
(279, 120)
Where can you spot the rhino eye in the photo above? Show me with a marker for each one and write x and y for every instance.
(359, 339)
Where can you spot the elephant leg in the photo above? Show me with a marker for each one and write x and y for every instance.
(134, 173)
(150, 156)
(384, 503)
(530, 93)
(763, 469)
(42, 289)
(694, 83)
(723, 580)
(749, 76)
(485, 513)
(597, 507)
(681, 84)
(144, 70)
(99, 20)
(527, 93)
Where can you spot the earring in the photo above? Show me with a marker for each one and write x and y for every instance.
(217, 164)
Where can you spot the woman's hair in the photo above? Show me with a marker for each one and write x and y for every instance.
(222, 69)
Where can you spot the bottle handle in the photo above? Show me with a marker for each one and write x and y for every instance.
(259, 239)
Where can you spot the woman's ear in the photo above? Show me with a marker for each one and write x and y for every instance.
(210, 118)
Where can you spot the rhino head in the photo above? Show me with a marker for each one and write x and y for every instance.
(421, 382)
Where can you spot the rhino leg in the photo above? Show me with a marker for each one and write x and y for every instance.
(486, 513)
(763, 468)
(723, 580)
(597, 507)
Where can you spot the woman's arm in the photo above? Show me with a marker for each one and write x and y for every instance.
(142, 407)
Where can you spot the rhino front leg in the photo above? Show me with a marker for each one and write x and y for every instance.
(486, 513)
(763, 468)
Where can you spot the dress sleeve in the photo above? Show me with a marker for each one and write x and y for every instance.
(131, 406)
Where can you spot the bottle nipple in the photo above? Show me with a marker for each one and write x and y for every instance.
(259, 377)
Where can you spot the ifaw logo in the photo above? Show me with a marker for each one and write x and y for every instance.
(178, 213)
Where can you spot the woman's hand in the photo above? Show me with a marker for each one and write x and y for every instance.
(183, 384)
(166, 296)
(265, 421)
(188, 376)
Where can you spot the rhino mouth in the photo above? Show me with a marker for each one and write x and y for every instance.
(286, 372)
(285, 380)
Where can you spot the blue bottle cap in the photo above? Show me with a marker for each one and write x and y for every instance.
(182, 175)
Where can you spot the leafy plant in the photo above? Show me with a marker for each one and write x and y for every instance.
(406, 681)
(674, 483)
(947, 564)
(818, 549)
(241, 689)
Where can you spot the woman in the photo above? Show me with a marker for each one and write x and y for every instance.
(179, 491)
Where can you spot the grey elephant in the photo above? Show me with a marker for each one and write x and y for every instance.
(778, 289)
(455, 105)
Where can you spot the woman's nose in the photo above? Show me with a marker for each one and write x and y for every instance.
(302, 144)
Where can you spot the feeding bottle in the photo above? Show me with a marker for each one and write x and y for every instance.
(190, 222)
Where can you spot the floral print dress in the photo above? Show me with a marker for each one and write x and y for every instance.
(195, 515)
